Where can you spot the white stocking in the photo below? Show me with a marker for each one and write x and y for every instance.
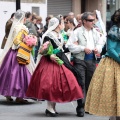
(54, 104)
(50, 106)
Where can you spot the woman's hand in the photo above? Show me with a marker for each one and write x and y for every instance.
(53, 57)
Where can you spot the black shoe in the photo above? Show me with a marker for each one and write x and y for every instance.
(80, 112)
(50, 114)
(57, 113)
(9, 99)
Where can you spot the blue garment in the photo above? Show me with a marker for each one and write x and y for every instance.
(90, 56)
(113, 44)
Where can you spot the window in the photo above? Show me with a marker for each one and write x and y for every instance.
(36, 10)
(111, 7)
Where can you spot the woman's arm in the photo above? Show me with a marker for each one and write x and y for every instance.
(111, 49)
(18, 39)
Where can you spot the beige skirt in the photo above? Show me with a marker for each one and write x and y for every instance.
(103, 97)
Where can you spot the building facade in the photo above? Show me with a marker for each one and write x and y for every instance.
(106, 7)
(7, 7)
(63, 7)
(55, 7)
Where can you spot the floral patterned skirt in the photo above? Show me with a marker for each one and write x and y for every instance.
(103, 97)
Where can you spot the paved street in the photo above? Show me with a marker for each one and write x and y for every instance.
(35, 111)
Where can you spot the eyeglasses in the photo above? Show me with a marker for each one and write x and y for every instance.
(90, 20)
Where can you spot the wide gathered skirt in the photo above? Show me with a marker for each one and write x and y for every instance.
(14, 78)
(103, 97)
(53, 82)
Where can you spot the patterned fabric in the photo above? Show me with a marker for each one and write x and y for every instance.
(103, 97)
(114, 33)
(23, 55)
(19, 37)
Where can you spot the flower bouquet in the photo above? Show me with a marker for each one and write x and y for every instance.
(47, 49)
(30, 40)
(25, 48)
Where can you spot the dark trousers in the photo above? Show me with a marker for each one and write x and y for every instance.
(86, 69)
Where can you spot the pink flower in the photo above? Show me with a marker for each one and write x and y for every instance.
(30, 40)
(44, 48)
(45, 45)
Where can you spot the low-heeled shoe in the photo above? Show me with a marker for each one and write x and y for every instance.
(50, 114)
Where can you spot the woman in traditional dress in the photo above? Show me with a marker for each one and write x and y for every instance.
(15, 77)
(103, 97)
(100, 27)
(51, 81)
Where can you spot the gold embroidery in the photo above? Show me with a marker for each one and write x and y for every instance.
(18, 39)
(23, 55)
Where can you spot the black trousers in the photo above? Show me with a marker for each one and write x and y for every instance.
(86, 70)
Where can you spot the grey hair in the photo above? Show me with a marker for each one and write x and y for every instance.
(19, 15)
(85, 15)
(71, 14)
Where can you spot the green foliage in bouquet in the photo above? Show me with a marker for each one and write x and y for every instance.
(47, 49)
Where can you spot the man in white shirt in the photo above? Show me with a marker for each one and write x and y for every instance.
(89, 44)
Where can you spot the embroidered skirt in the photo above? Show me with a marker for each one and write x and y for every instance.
(103, 97)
